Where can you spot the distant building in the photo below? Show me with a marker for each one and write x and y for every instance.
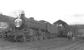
(62, 26)
(60, 23)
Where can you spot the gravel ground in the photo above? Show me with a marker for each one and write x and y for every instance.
(55, 44)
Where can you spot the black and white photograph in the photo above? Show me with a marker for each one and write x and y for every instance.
(41, 24)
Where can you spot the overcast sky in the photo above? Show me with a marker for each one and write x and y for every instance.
(71, 11)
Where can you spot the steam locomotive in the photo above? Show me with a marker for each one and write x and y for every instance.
(22, 29)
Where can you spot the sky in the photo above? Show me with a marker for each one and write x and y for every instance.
(70, 11)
